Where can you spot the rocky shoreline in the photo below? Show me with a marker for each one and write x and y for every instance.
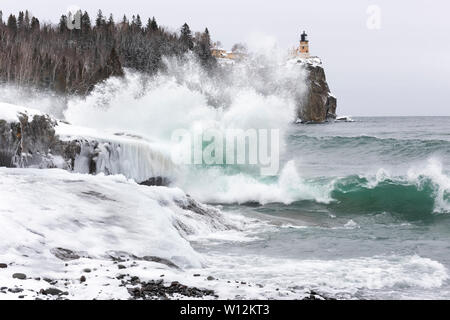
(121, 272)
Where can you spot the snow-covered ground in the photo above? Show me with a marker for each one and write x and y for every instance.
(9, 112)
(96, 218)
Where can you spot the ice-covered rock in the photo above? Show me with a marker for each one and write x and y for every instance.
(29, 138)
(53, 214)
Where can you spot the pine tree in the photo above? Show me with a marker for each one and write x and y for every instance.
(151, 24)
(62, 26)
(27, 20)
(1, 17)
(35, 25)
(186, 38)
(12, 23)
(111, 20)
(100, 21)
(85, 23)
(138, 22)
(20, 20)
(203, 49)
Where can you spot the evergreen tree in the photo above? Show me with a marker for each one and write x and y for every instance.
(12, 23)
(203, 49)
(100, 21)
(186, 38)
(1, 17)
(27, 20)
(151, 24)
(62, 26)
(138, 22)
(111, 21)
(20, 20)
(85, 23)
(35, 25)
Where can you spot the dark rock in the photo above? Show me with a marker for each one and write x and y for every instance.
(197, 275)
(51, 291)
(15, 290)
(87, 270)
(317, 296)
(210, 278)
(82, 279)
(3, 265)
(319, 104)
(20, 276)
(135, 280)
(51, 281)
(160, 260)
(121, 266)
(157, 290)
(156, 181)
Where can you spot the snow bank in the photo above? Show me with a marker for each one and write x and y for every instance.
(9, 112)
(98, 215)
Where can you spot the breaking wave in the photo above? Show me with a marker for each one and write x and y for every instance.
(423, 191)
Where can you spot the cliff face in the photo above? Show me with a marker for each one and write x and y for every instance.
(319, 104)
(32, 141)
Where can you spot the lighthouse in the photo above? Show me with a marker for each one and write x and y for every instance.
(304, 45)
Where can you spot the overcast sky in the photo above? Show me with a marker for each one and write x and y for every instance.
(400, 68)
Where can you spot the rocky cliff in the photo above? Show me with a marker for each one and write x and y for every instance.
(319, 105)
(31, 140)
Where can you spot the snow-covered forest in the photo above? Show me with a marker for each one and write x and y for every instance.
(72, 60)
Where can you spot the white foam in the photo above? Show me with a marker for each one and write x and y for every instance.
(215, 186)
(342, 277)
(434, 171)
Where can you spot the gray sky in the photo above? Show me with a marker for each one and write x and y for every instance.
(403, 68)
